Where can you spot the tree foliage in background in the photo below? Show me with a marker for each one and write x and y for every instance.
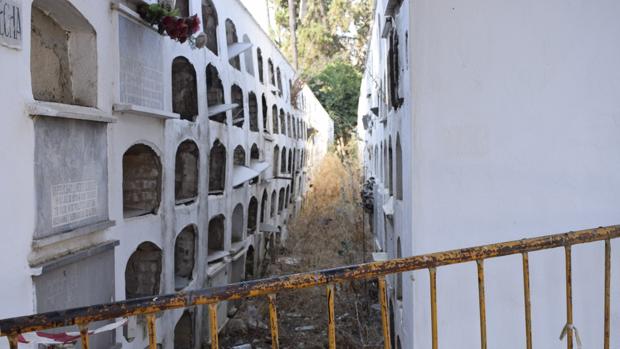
(337, 86)
(331, 44)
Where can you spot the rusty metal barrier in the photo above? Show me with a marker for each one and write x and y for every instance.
(150, 306)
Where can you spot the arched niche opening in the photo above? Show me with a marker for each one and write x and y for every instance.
(143, 271)
(265, 109)
(231, 38)
(259, 58)
(58, 74)
(392, 326)
(216, 234)
(209, 24)
(215, 93)
(282, 122)
(142, 174)
(238, 116)
(290, 161)
(254, 153)
(184, 257)
(274, 117)
(399, 169)
(390, 167)
(252, 215)
(249, 263)
(237, 224)
(283, 161)
(279, 81)
(272, 77)
(281, 199)
(239, 156)
(288, 196)
(276, 158)
(248, 56)
(263, 206)
(186, 173)
(274, 198)
(217, 168)
(184, 332)
(289, 125)
(184, 89)
(253, 109)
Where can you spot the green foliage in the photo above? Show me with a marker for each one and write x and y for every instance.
(337, 86)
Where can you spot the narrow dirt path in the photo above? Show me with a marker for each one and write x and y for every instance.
(327, 233)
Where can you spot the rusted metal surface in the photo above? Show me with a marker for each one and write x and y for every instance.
(84, 336)
(215, 340)
(482, 304)
(607, 293)
(331, 317)
(255, 288)
(273, 320)
(152, 331)
(433, 282)
(569, 298)
(385, 321)
(527, 301)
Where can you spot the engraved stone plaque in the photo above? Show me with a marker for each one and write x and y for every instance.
(10, 24)
(71, 168)
(141, 65)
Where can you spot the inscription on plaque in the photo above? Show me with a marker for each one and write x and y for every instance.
(141, 65)
(10, 24)
(73, 202)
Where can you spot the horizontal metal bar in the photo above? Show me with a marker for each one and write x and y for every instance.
(255, 288)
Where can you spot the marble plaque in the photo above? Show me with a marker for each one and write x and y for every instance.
(141, 65)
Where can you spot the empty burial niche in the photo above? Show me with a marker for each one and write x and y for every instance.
(393, 70)
(281, 200)
(186, 173)
(282, 122)
(279, 82)
(237, 224)
(215, 93)
(274, 117)
(274, 197)
(276, 158)
(184, 89)
(252, 215)
(184, 257)
(249, 264)
(287, 198)
(248, 57)
(231, 38)
(290, 161)
(216, 234)
(238, 116)
(390, 167)
(254, 153)
(183, 7)
(399, 169)
(399, 276)
(283, 161)
(289, 126)
(263, 206)
(184, 332)
(143, 271)
(217, 168)
(141, 181)
(259, 59)
(264, 110)
(209, 24)
(58, 74)
(239, 156)
(253, 109)
(272, 77)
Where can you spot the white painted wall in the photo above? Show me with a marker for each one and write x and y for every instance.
(513, 121)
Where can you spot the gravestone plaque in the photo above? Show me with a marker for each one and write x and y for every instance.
(10, 24)
(71, 167)
(84, 282)
(141, 65)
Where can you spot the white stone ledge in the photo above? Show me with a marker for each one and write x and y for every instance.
(71, 234)
(68, 111)
(144, 111)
